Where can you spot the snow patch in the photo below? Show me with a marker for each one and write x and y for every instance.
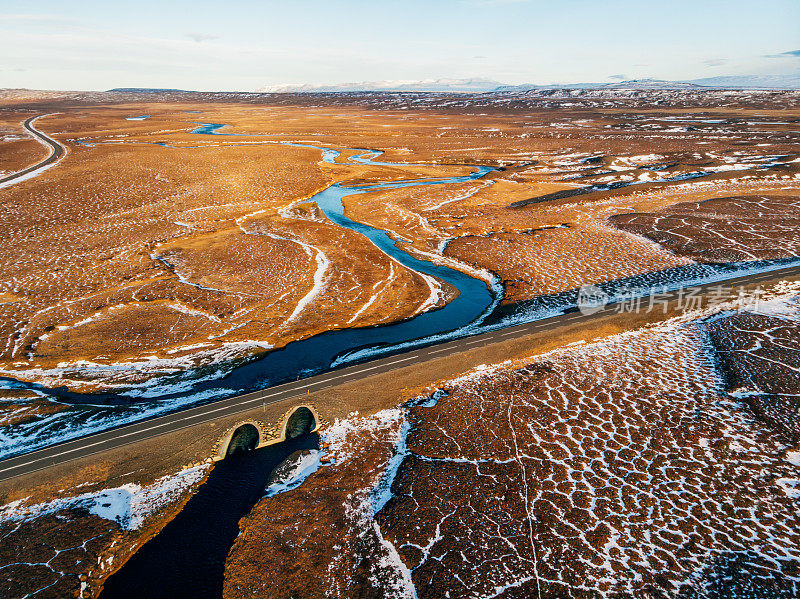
(790, 487)
(319, 280)
(128, 505)
(361, 506)
(298, 470)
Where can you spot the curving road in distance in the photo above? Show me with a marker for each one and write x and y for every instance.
(57, 152)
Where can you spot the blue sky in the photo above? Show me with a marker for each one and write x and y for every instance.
(244, 45)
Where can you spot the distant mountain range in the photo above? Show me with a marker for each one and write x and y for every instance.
(631, 84)
(487, 85)
(422, 85)
(752, 81)
(146, 90)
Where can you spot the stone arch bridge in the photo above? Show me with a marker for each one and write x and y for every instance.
(251, 434)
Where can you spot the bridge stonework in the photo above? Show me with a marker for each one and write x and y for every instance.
(270, 431)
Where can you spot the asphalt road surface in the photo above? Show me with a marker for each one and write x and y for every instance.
(56, 152)
(133, 433)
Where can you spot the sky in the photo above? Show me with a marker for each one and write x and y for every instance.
(243, 45)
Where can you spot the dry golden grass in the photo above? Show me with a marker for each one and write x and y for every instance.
(491, 224)
(129, 250)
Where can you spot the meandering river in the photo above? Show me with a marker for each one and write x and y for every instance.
(475, 300)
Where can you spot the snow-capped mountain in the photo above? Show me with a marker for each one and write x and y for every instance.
(732, 82)
(422, 85)
(791, 81)
(479, 85)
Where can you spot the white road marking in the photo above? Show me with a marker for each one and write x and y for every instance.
(438, 351)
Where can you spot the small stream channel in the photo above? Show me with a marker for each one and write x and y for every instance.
(187, 558)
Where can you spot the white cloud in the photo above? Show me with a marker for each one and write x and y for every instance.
(202, 37)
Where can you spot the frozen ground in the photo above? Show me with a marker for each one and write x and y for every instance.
(620, 468)
(128, 505)
(212, 251)
(632, 466)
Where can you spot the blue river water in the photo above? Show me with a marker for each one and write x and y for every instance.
(92, 412)
(474, 302)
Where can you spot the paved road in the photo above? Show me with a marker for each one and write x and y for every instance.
(56, 151)
(114, 438)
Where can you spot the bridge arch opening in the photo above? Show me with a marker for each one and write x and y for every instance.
(301, 421)
(246, 437)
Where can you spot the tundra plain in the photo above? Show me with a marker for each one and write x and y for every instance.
(656, 463)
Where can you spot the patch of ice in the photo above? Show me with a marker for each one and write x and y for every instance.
(469, 194)
(377, 288)
(435, 295)
(361, 506)
(382, 492)
(336, 434)
(319, 281)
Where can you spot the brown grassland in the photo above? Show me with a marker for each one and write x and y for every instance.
(614, 469)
